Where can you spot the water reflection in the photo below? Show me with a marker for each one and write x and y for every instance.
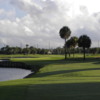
(13, 73)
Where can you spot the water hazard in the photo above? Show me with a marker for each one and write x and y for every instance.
(13, 73)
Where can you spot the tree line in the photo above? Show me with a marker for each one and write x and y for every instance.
(26, 50)
(33, 50)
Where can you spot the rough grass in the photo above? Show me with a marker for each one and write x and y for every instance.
(73, 79)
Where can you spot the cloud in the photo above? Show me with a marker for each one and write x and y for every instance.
(84, 10)
(42, 21)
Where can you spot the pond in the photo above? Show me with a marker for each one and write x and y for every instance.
(13, 73)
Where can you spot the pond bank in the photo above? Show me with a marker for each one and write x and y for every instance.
(29, 75)
(6, 63)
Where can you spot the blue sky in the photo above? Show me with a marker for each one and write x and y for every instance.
(39, 21)
(8, 6)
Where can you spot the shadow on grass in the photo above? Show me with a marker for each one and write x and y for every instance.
(63, 61)
(13, 92)
(64, 72)
(41, 63)
(75, 91)
(70, 91)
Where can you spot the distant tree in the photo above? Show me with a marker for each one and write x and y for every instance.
(2, 50)
(33, 50)
(27, 49)
(58, 50)
(17, 50)
(7, 49)
(65, 33)
(95, 50)
(85, 42)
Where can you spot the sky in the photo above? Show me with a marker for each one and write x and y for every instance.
(37, 22)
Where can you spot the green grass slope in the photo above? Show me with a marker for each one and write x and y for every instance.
(73, 79)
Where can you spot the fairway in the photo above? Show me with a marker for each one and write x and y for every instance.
(57, 45)
(73, 79)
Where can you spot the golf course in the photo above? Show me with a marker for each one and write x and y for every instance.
(57, 79)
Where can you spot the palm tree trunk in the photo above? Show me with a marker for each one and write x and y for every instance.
(84, 52)
(69, 52)
(65, 50)
(73, 52)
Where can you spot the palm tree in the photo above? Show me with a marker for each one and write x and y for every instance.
(27, 45)
(65, 33)
(27, 49)
(68, 46)
(85, 42)
(74, 42)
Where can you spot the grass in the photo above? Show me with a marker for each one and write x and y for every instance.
(73, 79)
